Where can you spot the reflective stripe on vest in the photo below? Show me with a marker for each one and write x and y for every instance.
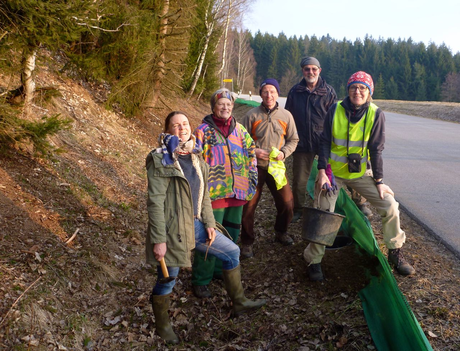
(338, 157)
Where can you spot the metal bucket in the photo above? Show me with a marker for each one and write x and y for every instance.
(320, 226)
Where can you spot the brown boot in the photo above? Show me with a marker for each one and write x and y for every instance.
(283, 238)
(246, 252)
(160, 305)
(232, 280)
(396, 259)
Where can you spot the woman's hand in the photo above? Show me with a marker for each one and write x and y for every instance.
(211, 235)
(383, 188)
(159, 251)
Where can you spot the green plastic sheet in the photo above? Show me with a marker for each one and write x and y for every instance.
(391, 322)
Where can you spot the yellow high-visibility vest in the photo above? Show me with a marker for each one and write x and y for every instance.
(357, 142)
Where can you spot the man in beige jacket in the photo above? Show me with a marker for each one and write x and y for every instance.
(270, 126)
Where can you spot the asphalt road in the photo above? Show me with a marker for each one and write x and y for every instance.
(422, 166)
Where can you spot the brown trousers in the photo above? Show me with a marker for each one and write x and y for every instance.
(284, 203)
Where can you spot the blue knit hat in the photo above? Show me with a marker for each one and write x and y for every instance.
(270, 81)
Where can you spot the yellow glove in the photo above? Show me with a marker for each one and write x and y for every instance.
(277, 169)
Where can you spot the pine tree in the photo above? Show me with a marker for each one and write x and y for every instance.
(391, 90)
(379, 88)
(30, 24)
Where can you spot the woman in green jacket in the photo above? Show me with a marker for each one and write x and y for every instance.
(181, 219)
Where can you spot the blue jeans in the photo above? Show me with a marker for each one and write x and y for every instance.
(222, 248)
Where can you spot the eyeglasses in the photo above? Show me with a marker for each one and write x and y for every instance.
(361, 88)
(310, 69)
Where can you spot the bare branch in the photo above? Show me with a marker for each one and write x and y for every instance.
(17, 300)
(99, 28)
(72, 237)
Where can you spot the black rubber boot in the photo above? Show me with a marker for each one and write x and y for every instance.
(201, 291)
(396, 259)
(160, 305)
(315, 273)
(232, 280)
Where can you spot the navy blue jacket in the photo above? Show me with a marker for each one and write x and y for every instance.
(309, 110)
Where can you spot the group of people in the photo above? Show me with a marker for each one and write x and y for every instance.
(204, 187)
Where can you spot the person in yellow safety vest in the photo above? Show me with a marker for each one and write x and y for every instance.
(354, 132)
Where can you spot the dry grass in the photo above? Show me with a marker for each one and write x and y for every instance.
(446, 111)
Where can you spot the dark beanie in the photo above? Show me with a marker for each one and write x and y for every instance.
(309, 61)
(270, 81)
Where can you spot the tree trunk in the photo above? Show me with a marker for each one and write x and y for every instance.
(160, 70)
(27, 80)
(224, 51)
(209, 30)
(209, 21)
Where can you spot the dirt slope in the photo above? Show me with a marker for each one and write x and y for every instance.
(92, 293)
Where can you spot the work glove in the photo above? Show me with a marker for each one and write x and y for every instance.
(330, 189)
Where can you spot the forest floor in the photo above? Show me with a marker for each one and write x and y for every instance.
(92, 293)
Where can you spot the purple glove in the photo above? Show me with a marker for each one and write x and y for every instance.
(332, 189)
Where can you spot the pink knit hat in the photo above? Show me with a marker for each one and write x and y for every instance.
(362, 77)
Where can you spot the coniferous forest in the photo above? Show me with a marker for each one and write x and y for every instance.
(402, 69)
(145, 50)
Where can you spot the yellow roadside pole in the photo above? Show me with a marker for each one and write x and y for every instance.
(228, 80)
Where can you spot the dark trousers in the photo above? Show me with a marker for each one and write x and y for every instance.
(284, 202)
(301, 169)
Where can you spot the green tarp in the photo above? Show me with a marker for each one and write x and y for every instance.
(391, 321)
(247, 102)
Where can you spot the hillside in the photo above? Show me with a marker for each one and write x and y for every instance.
(92, 293)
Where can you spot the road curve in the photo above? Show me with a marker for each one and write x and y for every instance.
(422, 166)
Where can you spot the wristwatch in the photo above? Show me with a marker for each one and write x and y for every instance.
(378, 181)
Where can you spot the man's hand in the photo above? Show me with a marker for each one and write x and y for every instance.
(280, 156)
(383, 188)
(262, 154)
(323, 179)
(159, 251)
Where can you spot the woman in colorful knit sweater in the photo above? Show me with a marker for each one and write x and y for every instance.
(229, 151)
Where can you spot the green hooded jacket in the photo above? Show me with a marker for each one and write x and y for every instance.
(170, 210)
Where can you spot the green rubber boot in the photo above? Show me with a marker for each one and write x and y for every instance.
(160, 305)
(232, 280)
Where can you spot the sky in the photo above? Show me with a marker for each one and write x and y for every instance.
(424, 21)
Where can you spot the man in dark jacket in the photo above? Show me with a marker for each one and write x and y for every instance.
(308, 101)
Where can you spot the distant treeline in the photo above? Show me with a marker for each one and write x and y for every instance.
(402, 70)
